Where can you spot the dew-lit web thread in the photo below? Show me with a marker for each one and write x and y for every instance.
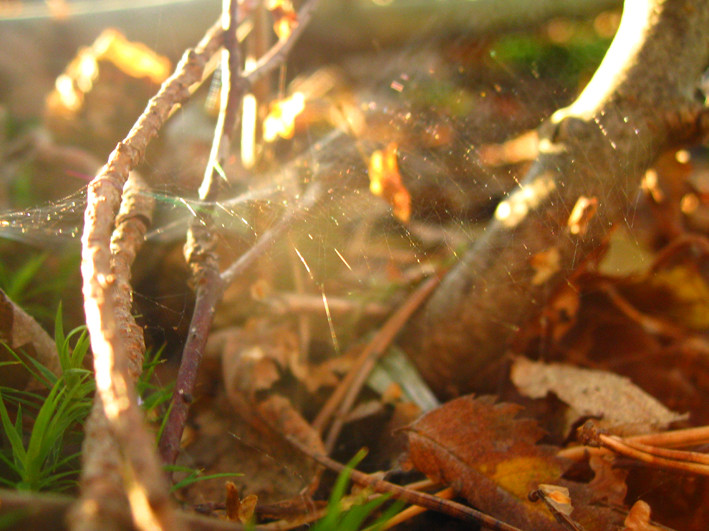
(340, 160)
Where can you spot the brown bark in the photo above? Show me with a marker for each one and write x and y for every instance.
(598, 148)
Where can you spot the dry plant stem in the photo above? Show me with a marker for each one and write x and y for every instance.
(279, 52)
(142, 472)
(667, 439)
(205, 304)
(103, 503)
(348, 390)
(679, 455)
(454, 509)
(48, 511)
(199, 248)
(618, 446)
(675, 438)
(599, 147)
(211, 285)
(649, 324)
(407, 514)
(696, 243)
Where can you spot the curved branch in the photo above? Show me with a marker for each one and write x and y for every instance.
(141, 469)
(592, 153)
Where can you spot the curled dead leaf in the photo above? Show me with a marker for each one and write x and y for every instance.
(594, 393)
(638, 518)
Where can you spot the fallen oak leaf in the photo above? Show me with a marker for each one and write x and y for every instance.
(489, 457)
(493, 460)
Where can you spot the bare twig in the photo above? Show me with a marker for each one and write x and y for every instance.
(103, 500)
(202, 318)
(199, 248)
(210, 285)
(278, 53)
(348, 390)
(451, 508)
(408, 513)
(142, 477)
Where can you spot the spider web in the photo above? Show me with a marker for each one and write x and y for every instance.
(444, 99)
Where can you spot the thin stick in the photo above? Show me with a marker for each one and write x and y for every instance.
(692, 462)
(199, 249)
(143, 477)
(618, 445)
(102, 494)
(408, 513)
(348, 390)
(211, 285)
(278, 53)
(666, 439)
(451, 508)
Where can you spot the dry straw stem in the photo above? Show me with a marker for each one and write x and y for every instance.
(451, 508)
(666, 439)
(142, 473)
(692, 462)
(346, 393)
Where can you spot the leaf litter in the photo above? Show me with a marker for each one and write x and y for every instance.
(650, 328)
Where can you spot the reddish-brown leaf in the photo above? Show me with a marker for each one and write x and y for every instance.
(489, 457)
(493, 460)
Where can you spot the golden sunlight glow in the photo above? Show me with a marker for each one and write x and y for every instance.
(527, 197)
(134, 58)
(248, 131)
(584, 209)
(385, 181)
(280, 121)
(284, 17)
(143, 515)
(69, 98)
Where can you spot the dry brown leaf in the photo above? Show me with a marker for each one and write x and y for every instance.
(21, 332)
(608, 483)
(545, 264)
(488, 456)
(594, 393)
(492, 459)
